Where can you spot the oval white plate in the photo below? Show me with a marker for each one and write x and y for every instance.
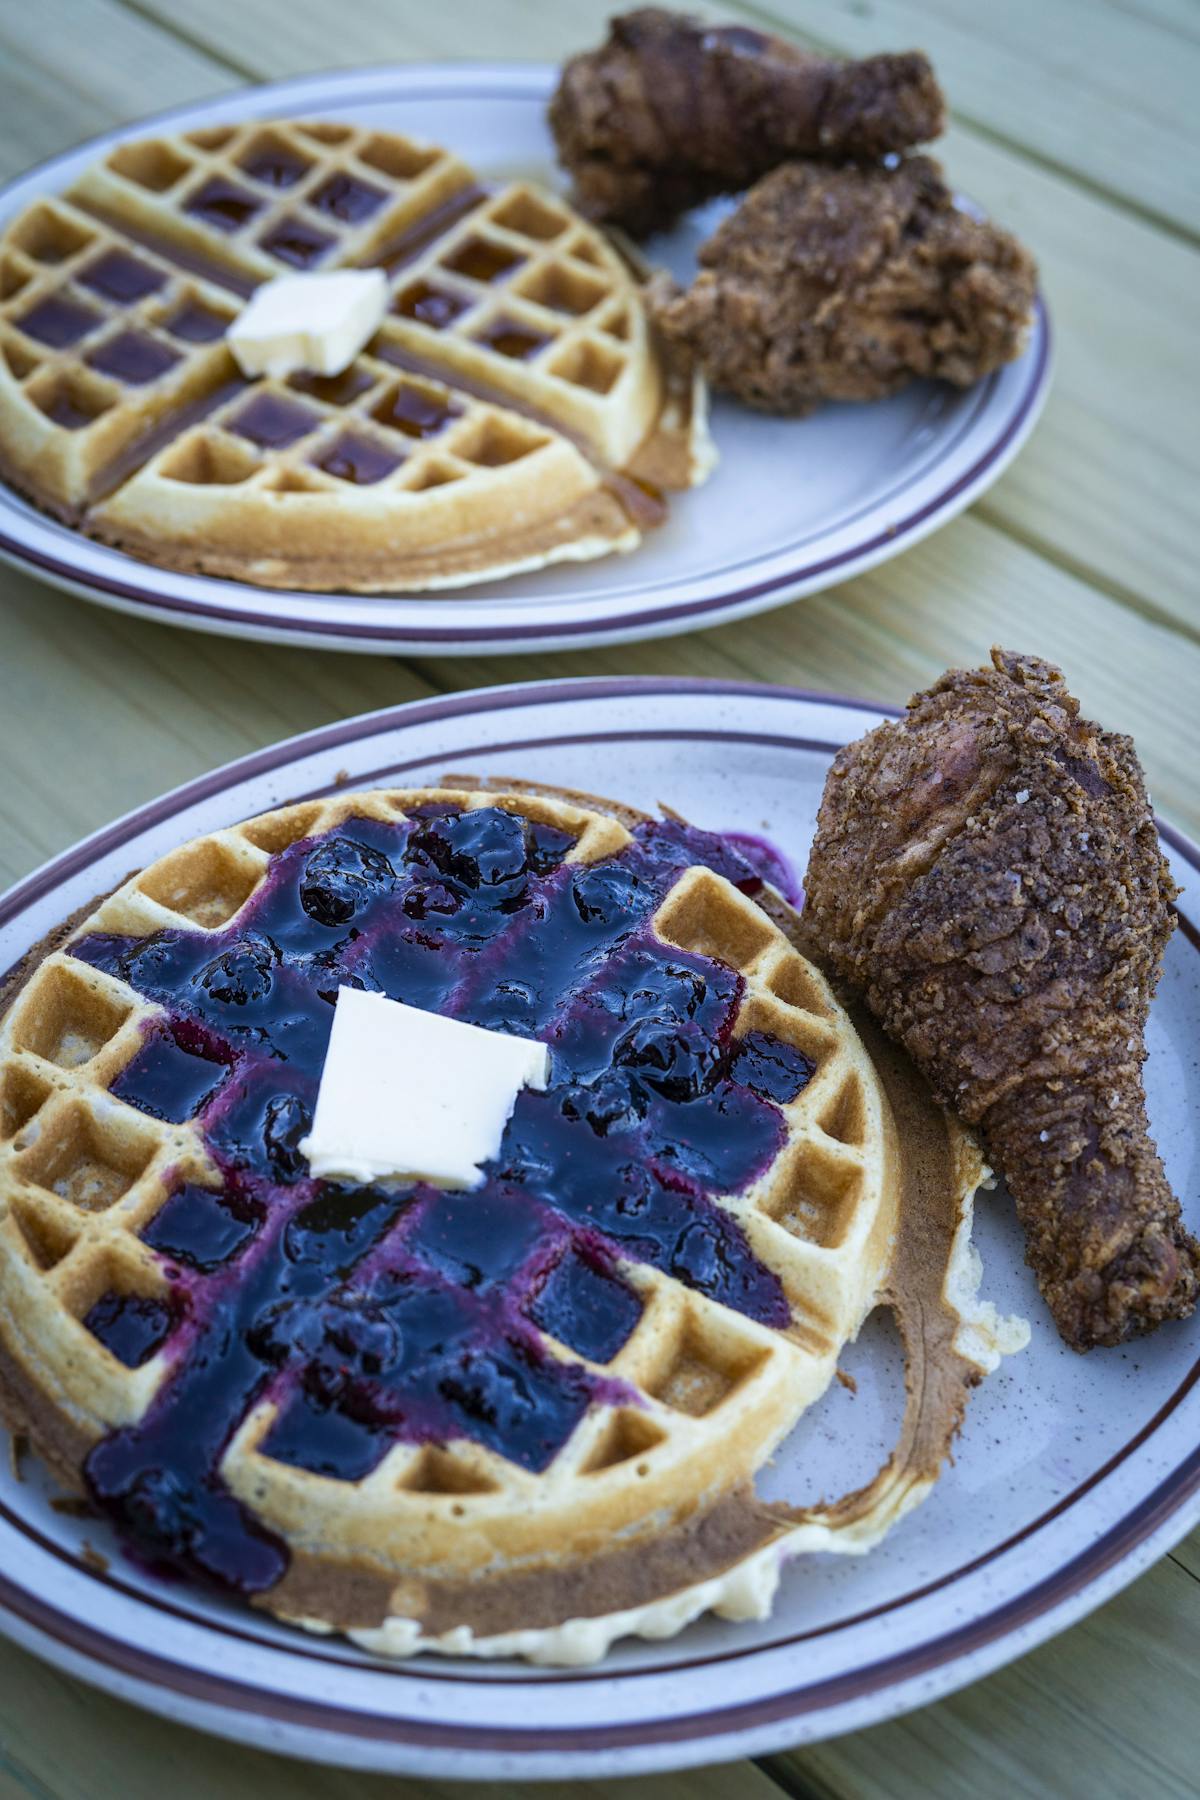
(793, 507)
(1072, 1474)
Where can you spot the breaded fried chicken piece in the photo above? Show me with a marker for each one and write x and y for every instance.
(669, 112)
(987, 873)
(845, 284)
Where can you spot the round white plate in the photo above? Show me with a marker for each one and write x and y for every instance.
(1072, 1474)
(793, 507)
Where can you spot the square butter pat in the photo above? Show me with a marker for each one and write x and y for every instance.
(317, 322)
(408, 1093)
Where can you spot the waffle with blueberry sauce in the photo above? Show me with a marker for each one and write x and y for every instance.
(512, 410)
(521, 1419)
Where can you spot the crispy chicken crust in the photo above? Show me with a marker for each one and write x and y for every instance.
(669, 111)
(987, 872)
(845, 284)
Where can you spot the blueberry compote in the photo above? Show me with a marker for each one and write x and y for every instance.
(370, 1315)
(132, 1326)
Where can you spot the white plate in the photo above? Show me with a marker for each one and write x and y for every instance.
(793, 507)
(1072, 1474)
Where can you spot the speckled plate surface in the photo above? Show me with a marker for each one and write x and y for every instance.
(793, 507)
(1072, 1475)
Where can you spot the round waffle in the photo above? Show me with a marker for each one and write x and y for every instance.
(523, 1419)
(513, 409)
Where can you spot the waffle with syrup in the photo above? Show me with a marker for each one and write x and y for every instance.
(523, 1419)
(513, 410)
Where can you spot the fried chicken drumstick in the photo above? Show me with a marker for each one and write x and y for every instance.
(669, 112)
(987, 873)
(846, 284)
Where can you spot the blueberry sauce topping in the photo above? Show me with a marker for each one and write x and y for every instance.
(201, 1228)
(586, 1307)
(775, 1070)
(131, 1326)
(167, 1078)
(373, 1315)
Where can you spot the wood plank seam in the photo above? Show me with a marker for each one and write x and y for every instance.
(796, 1782)
(1190, 1573)
(190, 41)
(1141, 604)
(1179, 25)
(12, 1766)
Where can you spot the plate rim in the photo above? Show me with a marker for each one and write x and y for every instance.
(907, 1677)
(239, 609)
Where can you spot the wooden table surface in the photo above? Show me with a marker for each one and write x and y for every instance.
(1075, 122)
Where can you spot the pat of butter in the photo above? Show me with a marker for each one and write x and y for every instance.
(317, 322)
(411, 1094)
